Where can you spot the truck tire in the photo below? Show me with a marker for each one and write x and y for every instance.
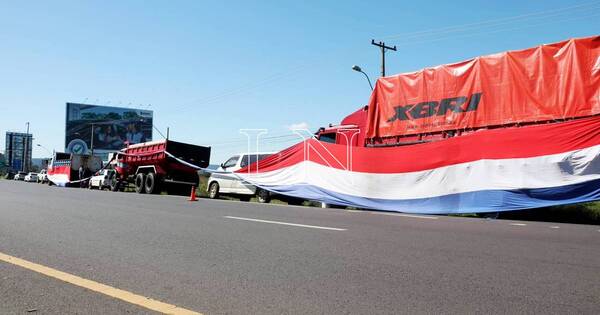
(140, 182)
(213, 190)
(114, 185)
(263, 196)
(152, 183)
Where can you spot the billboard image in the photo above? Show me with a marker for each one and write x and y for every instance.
(113, 128)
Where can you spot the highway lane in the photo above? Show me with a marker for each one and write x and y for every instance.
(219, 257)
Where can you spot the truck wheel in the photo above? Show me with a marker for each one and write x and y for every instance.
(152, 183)
(114, 185)
(263, 196)
(140, 181)
(213, 191)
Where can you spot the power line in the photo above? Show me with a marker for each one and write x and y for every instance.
(244, 88)
(496, 22)
(260, 139)
(499, 30)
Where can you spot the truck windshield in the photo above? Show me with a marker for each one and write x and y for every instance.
(327, 137)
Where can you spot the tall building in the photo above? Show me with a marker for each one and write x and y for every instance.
(18, 151)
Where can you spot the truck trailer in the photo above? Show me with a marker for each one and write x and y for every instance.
(544, 84)
(63, 169)
(159, 165)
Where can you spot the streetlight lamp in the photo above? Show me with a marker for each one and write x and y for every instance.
(43, 147)
(358, 69)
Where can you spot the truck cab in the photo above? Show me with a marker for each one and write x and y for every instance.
(349, 131)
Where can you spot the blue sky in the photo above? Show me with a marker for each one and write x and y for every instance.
(208, 69)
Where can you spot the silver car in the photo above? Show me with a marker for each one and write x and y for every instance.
(20, 176)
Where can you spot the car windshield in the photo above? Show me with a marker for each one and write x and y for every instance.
(231, 162)
(252, 158)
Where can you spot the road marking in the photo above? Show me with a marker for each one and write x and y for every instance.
(98, 287)
(408, 215)
(554, 227)
(286, 223)
(518, 224)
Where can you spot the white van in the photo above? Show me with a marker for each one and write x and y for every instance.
(225, 182)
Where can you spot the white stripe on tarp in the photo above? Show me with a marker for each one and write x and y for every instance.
(503, 174)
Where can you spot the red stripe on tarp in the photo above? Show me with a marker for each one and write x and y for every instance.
(518, 142)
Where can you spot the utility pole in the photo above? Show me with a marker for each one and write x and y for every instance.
(383, 48)
(25, 167)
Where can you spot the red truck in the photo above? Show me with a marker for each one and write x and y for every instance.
(548, 83)
(154, 166)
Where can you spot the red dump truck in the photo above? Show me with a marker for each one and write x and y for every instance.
(548, 83)
(159, 165)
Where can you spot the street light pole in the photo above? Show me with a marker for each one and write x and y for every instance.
(43, 147)
(358, 69)
(25, 147)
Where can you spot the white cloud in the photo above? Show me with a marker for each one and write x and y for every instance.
(300, 125)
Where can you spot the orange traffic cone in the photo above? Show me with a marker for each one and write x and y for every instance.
(193, 194)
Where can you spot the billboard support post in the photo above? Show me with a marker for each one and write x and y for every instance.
(92, 142)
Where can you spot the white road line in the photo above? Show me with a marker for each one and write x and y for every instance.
(554, 227)
(286, 223)
(408, 215)
(518, 224)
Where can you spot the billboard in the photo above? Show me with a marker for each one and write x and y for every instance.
(110, 128)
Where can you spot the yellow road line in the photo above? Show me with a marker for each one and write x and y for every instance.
(98, 287)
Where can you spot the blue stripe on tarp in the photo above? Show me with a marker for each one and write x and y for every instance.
(468, 202)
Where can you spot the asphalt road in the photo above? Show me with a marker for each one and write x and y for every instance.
(208, 256)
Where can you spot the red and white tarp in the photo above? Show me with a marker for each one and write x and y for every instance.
(487, 171)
